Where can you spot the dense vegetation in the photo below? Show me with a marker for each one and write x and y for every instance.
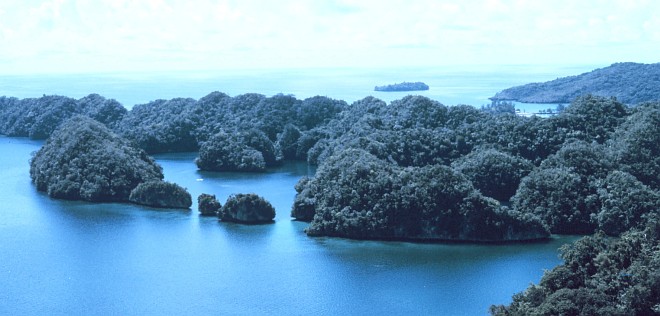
(161, 194)
(247, 208)
(161, 126)
(404, 86)
(494, 173)
(571, 170)
(249, 150)
(356, 195)
(84, 160)
(600, 276)
(37, 118)
(630, 83)
(568, 170)
(208, 205)
(412, 169)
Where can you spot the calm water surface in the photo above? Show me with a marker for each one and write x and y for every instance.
(449, 85)
(75, 258)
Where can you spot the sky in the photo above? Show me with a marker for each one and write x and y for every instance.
(87, 36)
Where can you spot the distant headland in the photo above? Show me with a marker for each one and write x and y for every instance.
(630, 83)
(404, 86)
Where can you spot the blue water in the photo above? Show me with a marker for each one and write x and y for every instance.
(448, 85)
(64, 258)
(73, 258)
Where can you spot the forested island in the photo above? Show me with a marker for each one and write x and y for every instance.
(413, 169)
(403, 86)
(630, 83)
(84, 160)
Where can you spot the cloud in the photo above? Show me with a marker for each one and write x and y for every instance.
(90, 35)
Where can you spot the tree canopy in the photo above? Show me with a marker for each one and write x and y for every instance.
(599, 276)
(37, 118)
(84, 160)
(356, 195)
(161, 194)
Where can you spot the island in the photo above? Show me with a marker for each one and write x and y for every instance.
(630, 83)
(161, 194)
(208, 205)
(404, 86)
(247, 209)
(379, 200)
(84, 160)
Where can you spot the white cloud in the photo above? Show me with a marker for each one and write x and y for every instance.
(89, 35)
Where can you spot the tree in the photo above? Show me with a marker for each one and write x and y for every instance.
(559, 198)
(161, 126)
(494, 173)
(599, 276)
(242, 151)
(634, 145)
(625, 203)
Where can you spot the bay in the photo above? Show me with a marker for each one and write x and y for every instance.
(64, 258)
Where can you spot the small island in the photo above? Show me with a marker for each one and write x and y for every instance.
(404, 86)
(161, 194)
(208, 205)
(247, 209)
(84, 160)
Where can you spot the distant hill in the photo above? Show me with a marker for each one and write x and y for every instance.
(630, 83)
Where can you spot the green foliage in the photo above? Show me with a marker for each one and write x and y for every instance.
(280, 118)
(596, 117)
(247, 151)
(356, 195)
(563, 191)
(318, 111)
(494, 173)
(625, 203)
(247, 208)
(557, 196)
(588, 118)
(208, 205)
(635, 145)
(37, 118)
(84, 160)
(631, 83)
(161, 126)
(107, 111)
(409, 131)
(287, 142)
(599, 276)
(161, 194)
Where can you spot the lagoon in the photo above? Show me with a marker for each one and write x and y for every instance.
(63, 257)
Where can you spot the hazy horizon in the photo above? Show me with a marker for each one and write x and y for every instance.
(85, 36)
